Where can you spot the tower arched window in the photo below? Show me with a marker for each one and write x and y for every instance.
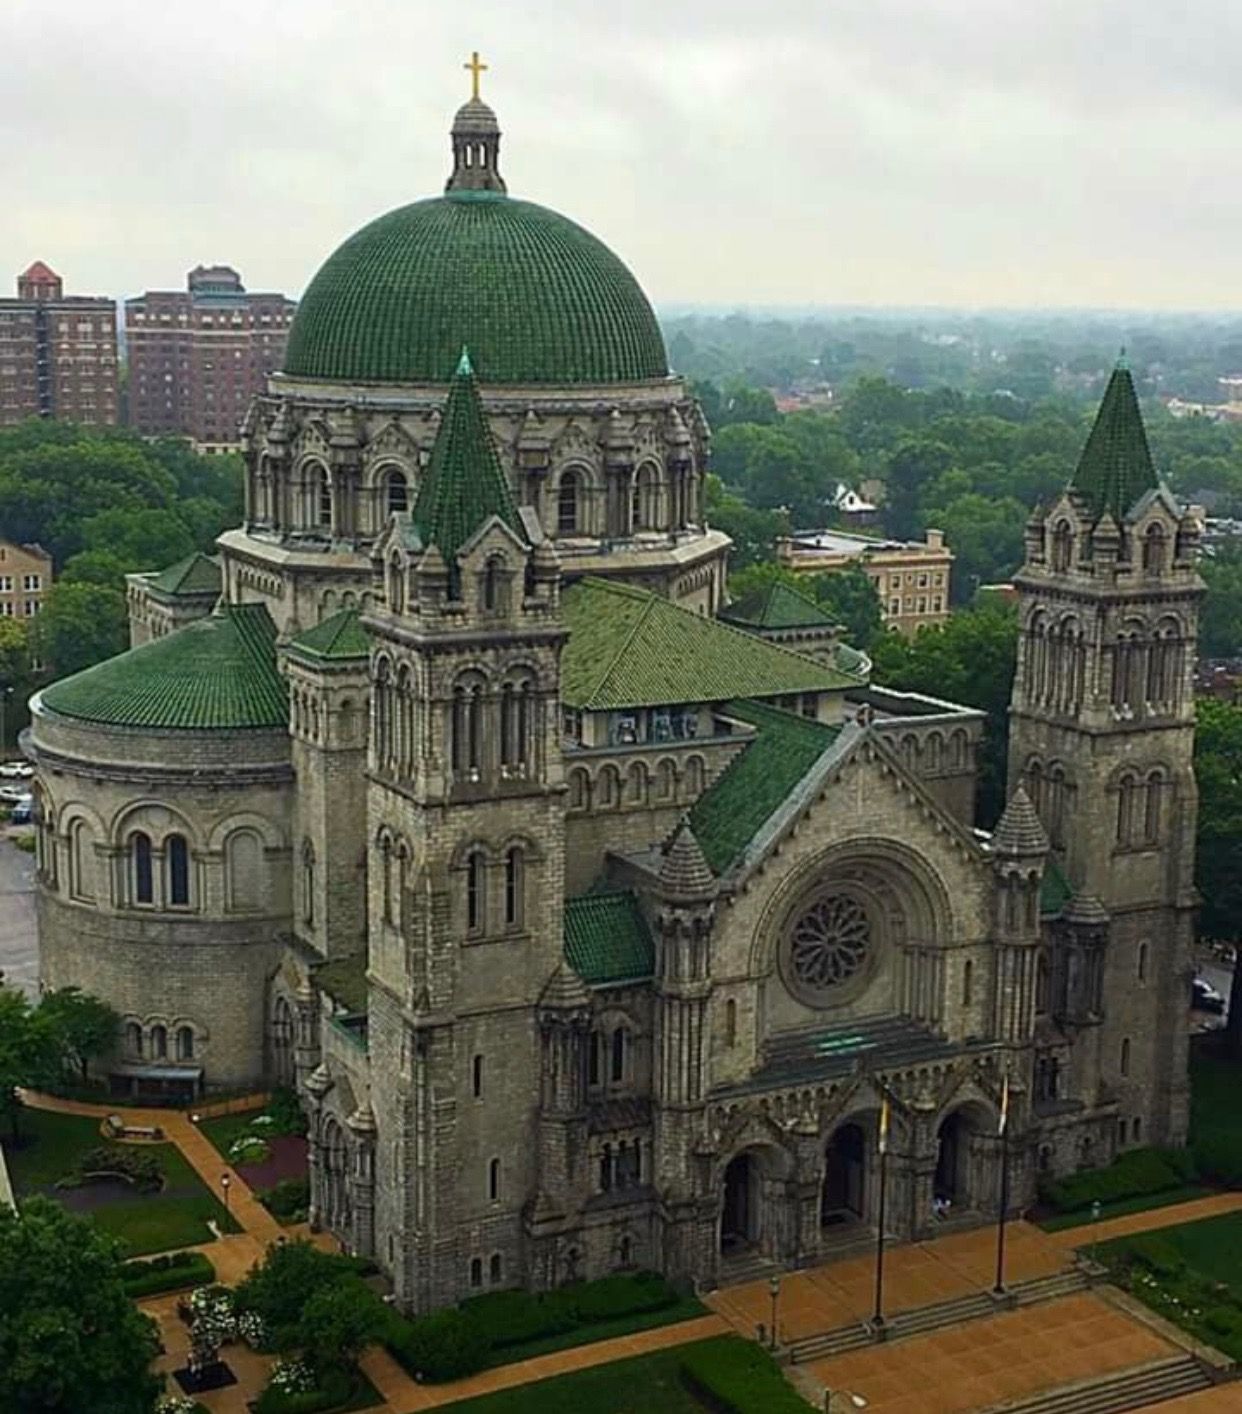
(730, 1023)
(382, 711)
(1155, 549)
(1127, 792)
(569, 503)
(467, 728)
(142, 876)
(81, 861)
(515, 724)
(1062, 546)
(492, 590)
(323, 498)
(1141, 968)
(968, 983)
(1125, 1055)
(493, 1180)
(514, 886)
(644, 504)
(396, 492)
(619, 1055)
(595, 1062)
(177, 864)
(1153, 806)
(476, 886)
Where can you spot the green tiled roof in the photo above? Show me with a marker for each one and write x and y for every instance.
(196, 574)
(217, 673)
(1054, 891)
(340, 636)
(344, 979)
(535, 297)
(630, 648)
(732, 811)
(1116, 467)
(465, 483)
(607, 939)
(778, 606)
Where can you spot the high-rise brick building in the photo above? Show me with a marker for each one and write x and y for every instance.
(57, 352)
(197, 356)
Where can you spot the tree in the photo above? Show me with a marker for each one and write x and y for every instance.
(850, 597)
(29, 1053)
(754, 533)
(15, 675)
(80, 624)
(145, 539)
(913, 465)
(986, 539)
(971, 659)
(1218, 771)
(85, 1027)
(279, 1287)
(1220, 623)
(70, 1338)
(337, 1322)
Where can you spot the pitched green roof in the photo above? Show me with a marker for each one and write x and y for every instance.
(217, 673)
(1116, 467)
(732, 811)
(339, 636)
(630, 648)
(777, 606)
(536, 298)
(607, 939)
(465, 483)
(196, 574)
(1054, 890)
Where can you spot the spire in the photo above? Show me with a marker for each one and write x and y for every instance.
(1116, 467)
(476, 142)
(1018, 832)
(465, 483)
(684, 871)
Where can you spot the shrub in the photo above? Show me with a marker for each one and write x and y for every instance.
(1134, 1174)
(734, 1376)
(293, 1390)
(281, 1285)
(1218, 1154)
(514, 1317)
(134, 1165)
(285, 1113)
(288, 1200)
(443, 1346)
(615, 1296)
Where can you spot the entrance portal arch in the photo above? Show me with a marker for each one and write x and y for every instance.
(844, 1194)
(752, 1189)
(963, 1178)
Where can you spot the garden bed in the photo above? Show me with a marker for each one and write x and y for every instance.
(353, 1392)
(170, 1272)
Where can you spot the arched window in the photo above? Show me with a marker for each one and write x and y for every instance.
(636, 784)
(1153, 806)
(1125, 1056)
(467, 727)
(609, 791)
(730, 1023)
(177, 864)
(1138, 1130)
(1062, 546)
(493, 1180)
(515, 724)
(308, 882)
(385, 852)
(185, 1043)
(159, 1043)
(476, 875)
(569, 503)
(620, 1048)
(142, 877)
(476, 1077)
(323, 499)
(1142, 962)
(492, 595)
(666, 780)
(514, 886)
(968, 983)
(133, 1038)
(396, 491)
(243, 867)
(396, 585)
(579, 789)
(1155, 544)
(476, 1271)
(1127, 790)
(494, 1269)
(643, 509)
(81, 861)
(595, 1059)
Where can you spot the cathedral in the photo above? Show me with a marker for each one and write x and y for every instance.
(595, 918)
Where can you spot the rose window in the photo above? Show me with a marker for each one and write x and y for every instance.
(827, 944)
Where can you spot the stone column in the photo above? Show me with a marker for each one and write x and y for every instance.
(362, 1179)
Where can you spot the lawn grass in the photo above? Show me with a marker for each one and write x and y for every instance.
(642, 1384)
(687, 1309)
(1123, 1207)
(224, 1129)
(152, 1222)
(1211, 1246)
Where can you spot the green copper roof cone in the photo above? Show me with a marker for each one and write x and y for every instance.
(1115, 468)
(465, 483)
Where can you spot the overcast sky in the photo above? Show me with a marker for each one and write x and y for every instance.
(948, 152)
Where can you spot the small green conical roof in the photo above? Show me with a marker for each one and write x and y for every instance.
(1116, 468)
(465, 483)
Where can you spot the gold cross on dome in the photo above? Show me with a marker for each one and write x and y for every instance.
(476, 67)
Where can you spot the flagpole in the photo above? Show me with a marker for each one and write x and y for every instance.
(999, 1288)
(877, 1318)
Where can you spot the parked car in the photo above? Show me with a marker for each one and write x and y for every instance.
(11, 794)
(23, 812)
(1205, 997)
(16, 771)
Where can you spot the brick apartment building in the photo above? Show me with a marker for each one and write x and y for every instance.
(197, 356)
(25, 577)
(57, 352)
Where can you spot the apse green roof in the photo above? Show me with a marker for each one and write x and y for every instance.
(196, 574)
(218, 673)
(777, 606)
(535, 297)
(745, 796)
(607, 939)
(1116, 468)
(464, 484)
(631, 648)
(340, 636)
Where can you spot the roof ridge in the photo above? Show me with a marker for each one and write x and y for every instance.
(646, 612)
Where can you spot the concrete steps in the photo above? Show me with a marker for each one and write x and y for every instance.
(976, 1305)
(1138, 1388)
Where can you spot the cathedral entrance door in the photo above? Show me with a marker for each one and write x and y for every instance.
(950, 1182)
(845, 1176)
(737, 1221)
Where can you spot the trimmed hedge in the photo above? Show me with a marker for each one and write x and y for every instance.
(734, 1376)
(1134, 1174)
(450, 1344)
(336, 1390)
(167, 1273)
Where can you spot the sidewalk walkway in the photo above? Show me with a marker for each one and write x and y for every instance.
(1071, 1238)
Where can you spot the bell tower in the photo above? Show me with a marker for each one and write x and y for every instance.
(466, 863)
(1102, 740)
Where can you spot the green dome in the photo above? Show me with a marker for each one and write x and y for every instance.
(534, 297)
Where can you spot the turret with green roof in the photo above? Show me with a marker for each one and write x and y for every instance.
(1116, 468)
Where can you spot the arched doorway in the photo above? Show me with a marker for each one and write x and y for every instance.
(843, 1198)
(739, 1225)
(958, 1157)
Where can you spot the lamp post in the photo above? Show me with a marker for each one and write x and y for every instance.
(774, 1290)
(1095, 1245)
(999, 1288)
(225, 1181)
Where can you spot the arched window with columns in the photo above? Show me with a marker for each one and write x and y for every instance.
(570, 503)
(466, 727)
(515, 722)
(394, 490)
(141, 870)
(177, 871)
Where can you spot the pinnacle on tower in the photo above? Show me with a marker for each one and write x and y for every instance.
(684, 871)
(1018, 832)
(1116, 468)
(476, 142)
(465, 483)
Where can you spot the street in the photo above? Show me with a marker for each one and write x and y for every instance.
(19, 956)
